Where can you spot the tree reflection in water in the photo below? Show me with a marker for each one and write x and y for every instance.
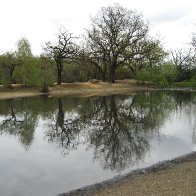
(116, 135)
(118, 129)
(64, 128)
(19, 123)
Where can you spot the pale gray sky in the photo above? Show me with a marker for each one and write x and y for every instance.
(39, 20)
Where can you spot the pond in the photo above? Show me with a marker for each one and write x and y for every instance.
(54, 145)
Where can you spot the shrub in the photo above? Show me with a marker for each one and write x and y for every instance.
(162, 75)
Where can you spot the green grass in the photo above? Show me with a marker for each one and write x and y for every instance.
(184, 84)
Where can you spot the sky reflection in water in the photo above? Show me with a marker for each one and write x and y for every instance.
(52, 145)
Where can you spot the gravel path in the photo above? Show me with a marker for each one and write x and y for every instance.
(177, 180)
(175, 177)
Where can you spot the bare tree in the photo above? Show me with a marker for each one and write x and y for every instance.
(63, 49)
(115, 33)
(149, 53)
(182, 59)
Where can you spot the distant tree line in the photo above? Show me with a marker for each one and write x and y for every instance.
(116, 46)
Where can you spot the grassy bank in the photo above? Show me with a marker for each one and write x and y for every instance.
(188, 84)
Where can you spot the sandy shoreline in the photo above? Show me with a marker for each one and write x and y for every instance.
(115, 186)
(76, 89)
(84, 89)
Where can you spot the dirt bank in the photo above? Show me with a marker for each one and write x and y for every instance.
(174, 177)
(77, 88)
(82, 89)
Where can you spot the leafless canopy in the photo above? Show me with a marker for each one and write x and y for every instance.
(115, 35)
(183, 59)
(63, 49)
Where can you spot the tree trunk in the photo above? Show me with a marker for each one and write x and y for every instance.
(10, 76)
(59, 74)
(59, 80)
(103, 77)
(112, 74)
(104, 72)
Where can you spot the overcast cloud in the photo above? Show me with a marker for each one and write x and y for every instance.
(38, 20)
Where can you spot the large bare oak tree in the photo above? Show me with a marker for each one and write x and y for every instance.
(115, 34)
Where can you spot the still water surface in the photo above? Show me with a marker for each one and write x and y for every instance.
(53, 145)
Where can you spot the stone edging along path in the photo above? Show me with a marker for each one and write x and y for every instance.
(91, 189)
